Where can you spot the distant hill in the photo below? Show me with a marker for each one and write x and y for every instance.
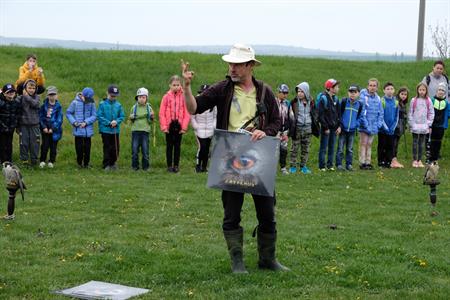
(207, 49)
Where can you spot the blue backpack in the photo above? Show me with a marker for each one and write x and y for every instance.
(321, 97)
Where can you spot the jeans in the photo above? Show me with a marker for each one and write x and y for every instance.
(265, 211)
(139, 139)
(345, 139)
(418, 145)
(326, 143)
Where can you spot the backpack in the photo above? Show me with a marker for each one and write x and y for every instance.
(321, 98)
(428, 79)
(149, 111)
(383, 103)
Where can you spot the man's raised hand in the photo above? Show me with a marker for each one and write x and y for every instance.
(187, 75)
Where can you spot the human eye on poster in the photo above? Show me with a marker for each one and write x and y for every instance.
(241, 165)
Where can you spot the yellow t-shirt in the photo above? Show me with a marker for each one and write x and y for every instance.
(243, 108)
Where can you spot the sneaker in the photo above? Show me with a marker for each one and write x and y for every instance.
(293, 170)
(369, 167)
(322, 169)
(284, 171)
(362, 167)
(331, 169)
(340, 168)
(114, 167)
(414, 164)
(420, 164)
(170, 169)
(50, 165)
(198, 169)
(9, 217)
(42, 164)
(107, 168)
(305, 170)
(175, 169)
(349, 168)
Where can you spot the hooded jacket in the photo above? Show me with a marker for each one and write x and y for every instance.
(441, 112)
(25, 74)
(350, 114)
(30, 107)
(10, 112)
(421, 115)
(390, 115)
(54, 122)
(79, 112)
(173, 107)
(109, 110)
(372, 114)
(221, 95)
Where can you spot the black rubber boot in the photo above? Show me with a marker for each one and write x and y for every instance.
(235, 240)
(266, 250)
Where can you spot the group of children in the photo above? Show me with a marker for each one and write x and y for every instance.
(40, 124)
(364, 112)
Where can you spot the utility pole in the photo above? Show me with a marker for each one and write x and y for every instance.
(420, 31)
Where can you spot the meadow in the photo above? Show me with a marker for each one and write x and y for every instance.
(162, 231)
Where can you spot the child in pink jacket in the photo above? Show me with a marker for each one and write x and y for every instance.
(174, 120)
(420, 119)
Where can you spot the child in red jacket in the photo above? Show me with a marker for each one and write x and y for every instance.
(174, 120)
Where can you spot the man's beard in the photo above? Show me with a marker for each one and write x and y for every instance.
(235, 79)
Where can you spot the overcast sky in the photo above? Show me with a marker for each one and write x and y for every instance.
(384, 26)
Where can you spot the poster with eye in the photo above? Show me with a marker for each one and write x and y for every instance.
(241, 165)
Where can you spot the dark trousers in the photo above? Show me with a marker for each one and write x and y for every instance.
(385, 149)
(203, 153)
(437, 133)
(83, 150)
(139, 139)
(283, 154)
(111, 146)
(6, 146)
(396, 141)
(418, 145)
(265, 211)
(327, 142)
(173, 149)
(48, 143)
(30, 139)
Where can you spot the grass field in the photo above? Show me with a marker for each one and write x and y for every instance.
(163, 231)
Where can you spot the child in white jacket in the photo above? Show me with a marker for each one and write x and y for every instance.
(203, 125)
(420, 119)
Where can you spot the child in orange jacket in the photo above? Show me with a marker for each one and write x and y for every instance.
(31, 70)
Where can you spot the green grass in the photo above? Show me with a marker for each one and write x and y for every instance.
(163, 231)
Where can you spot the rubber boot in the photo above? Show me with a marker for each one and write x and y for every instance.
(266, 250)
(235, 240)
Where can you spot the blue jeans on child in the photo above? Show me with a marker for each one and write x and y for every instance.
(327, 141)
(139, 139)
(345, 139)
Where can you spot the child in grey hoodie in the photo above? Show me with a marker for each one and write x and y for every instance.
(303, 123)
(30, 133)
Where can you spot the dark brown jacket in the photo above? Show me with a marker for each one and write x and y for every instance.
(221, 95)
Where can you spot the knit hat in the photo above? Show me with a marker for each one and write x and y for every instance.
(442, 86)
(304, 86)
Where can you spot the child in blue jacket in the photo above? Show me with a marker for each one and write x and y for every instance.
(440, 121)
(82, 115)
(386, 135)
(350, 110)
(371, 121)
(110, 116)
(50, 120)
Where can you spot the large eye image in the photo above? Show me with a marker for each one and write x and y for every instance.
(243, 162)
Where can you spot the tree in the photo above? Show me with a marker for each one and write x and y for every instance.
(440, 37)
